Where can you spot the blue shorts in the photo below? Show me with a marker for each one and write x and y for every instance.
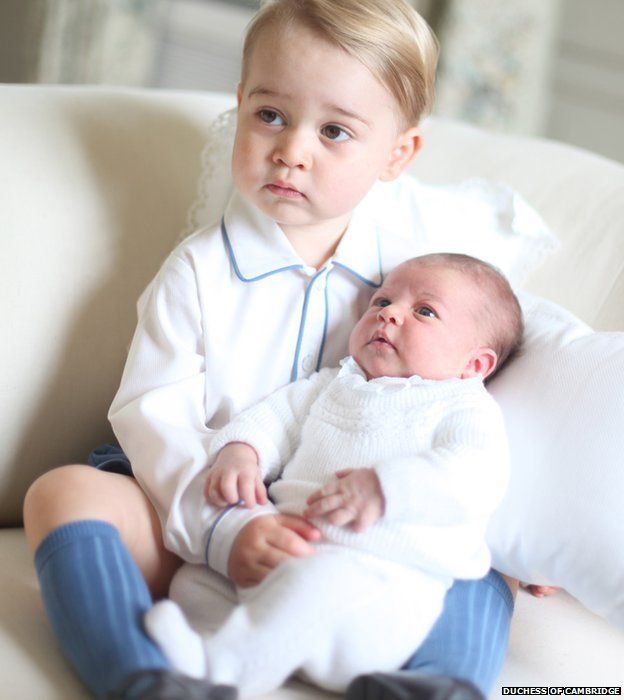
(110, 458)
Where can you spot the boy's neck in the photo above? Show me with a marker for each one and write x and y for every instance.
(316, 243)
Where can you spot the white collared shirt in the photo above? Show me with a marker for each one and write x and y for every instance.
(232, 315)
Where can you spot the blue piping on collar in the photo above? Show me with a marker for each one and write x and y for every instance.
(325, 322)
(237, 271)
(375, 285)
(356, 274)
(294, 371)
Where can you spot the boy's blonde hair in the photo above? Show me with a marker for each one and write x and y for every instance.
(387, 36)
(500, 317)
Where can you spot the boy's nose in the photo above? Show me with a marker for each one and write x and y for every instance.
(293, 151)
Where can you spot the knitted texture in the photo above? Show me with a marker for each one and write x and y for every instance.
(438, 447)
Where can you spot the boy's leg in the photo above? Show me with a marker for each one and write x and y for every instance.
(468, 642)
(77, 519)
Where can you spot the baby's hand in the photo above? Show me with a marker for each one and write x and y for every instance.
(234, 477)
(354, 498)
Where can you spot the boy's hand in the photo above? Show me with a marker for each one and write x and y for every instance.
(267, 541)
(234, 477)
(353, 498)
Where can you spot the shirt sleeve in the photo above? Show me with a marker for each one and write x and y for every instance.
(273, 426)
(158, 414)
(459, 480)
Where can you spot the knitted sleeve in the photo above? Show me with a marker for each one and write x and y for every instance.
(459, 479)
(273, 426)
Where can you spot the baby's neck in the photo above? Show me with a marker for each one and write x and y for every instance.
(316, 243)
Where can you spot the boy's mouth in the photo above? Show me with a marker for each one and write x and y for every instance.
(283, 189)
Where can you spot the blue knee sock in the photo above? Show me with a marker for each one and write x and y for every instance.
(469, 640)
(95, 598)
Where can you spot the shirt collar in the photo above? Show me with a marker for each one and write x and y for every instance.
(258, 247)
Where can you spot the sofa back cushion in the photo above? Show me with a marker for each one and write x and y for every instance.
(95, 186)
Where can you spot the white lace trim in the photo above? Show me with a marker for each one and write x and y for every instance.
(215, 181)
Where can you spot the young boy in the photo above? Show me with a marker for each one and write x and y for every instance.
(398, 457)
(330, 99)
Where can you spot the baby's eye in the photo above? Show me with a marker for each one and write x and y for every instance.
(426, 311)
(268, 116)
(334, 133)
(381, 302)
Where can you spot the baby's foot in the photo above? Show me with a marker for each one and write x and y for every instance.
(183, 647)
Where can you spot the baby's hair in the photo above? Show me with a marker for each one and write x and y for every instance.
(387, 36)
(501, 319)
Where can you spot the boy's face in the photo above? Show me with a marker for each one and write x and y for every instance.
(315, 130)
(422, 321)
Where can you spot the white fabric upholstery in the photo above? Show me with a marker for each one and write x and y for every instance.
(94, 189)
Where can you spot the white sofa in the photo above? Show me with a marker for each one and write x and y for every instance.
(95, 185)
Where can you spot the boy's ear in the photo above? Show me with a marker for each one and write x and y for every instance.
(407, 145)
(483, 361)
(239, 95)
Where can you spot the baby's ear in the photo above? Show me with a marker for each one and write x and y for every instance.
(407, 145)
(482, 361)
(239, 95)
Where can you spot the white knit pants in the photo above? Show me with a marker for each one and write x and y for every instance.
(330, 616)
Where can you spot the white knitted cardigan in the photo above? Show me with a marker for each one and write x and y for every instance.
(439, 449)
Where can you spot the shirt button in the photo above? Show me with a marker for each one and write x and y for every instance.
(308, 363)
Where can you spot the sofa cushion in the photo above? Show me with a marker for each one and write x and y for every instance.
(96, 183)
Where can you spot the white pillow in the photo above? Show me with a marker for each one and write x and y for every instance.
(481, 218)
(561, 521)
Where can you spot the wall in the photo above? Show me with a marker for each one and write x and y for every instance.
(587, 98)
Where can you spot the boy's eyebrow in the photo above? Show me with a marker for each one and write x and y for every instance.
(347, 113)
(267, 92)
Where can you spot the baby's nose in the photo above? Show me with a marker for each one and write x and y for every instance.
(391, 314)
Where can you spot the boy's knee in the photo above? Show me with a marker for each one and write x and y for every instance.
(56, 498)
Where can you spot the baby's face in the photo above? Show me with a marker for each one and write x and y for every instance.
(315, 130)
(422, 321)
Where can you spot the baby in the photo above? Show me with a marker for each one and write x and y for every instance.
(398, 457)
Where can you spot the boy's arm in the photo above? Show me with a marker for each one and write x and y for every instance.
(159, 415)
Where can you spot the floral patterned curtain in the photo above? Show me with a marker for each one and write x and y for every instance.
(495, 61)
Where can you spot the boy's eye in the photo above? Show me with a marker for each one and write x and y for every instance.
(334, 133)
(426, 311)
(268, 116)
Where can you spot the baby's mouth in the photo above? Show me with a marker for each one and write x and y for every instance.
(380, 340)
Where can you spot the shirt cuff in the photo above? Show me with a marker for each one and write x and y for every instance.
(226, 529)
